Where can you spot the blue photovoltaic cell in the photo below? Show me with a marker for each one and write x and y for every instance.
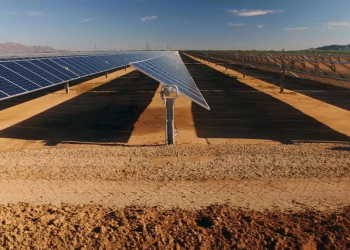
(40, 72)
(15, 78)
(10, 88)
(58, 70)
(72, 67)
(93, 63)
(104, 60)
(111, 60)
(83, 64)
(27, 74)
(2, 95)
(78, 65)
(97, 64)
(170, 69)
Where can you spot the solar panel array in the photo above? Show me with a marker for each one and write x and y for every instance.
(170, 69)
(21, 75)
(326, 68)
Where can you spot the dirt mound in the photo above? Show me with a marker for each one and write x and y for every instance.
(24, 226)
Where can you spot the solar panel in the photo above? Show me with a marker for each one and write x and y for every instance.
(10, 88)
(61, 69)
(3, 95)
(170, 69)
(56, 70)
(18, 69)
(20, 75)
(65, 63)
(16, 78)
(33, 68)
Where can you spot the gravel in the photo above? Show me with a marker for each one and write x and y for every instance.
(180, 162)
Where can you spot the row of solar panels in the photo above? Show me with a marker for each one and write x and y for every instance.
(43, 56)
(333, 73)
(22, 76)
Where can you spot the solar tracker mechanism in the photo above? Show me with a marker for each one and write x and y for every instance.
(172, 73)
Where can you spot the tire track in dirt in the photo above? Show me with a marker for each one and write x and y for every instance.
(258, 194)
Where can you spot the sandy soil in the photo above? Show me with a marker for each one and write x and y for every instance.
(216, 227)
(280, 169)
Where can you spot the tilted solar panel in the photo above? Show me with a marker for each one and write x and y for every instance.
(20, 75)
(2, 95)
(10, 88)
(41, 72)
(16, 78)
(29, 75)
(66, 63)
(170, 69)
(61, 69)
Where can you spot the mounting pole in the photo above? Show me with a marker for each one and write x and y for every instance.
(66, 86)
(106, 74)
(244, 69)
(283, 75)
(169, 94)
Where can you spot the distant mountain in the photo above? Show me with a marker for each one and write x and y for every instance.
(15, 48)
(333, 48)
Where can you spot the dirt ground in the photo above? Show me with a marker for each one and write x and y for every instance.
(89, 170)
(215, 227)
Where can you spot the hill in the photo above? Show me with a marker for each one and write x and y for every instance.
(15, 48)
(333, 48)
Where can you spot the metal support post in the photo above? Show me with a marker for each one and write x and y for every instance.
(244, 69)
(66, 86)
(283, 75)
(106, 74)
(125, 68)
(169, 94)
(170, 126)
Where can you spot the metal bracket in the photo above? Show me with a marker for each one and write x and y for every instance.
(169, 93)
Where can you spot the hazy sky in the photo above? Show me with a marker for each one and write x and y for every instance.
(191, 24)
